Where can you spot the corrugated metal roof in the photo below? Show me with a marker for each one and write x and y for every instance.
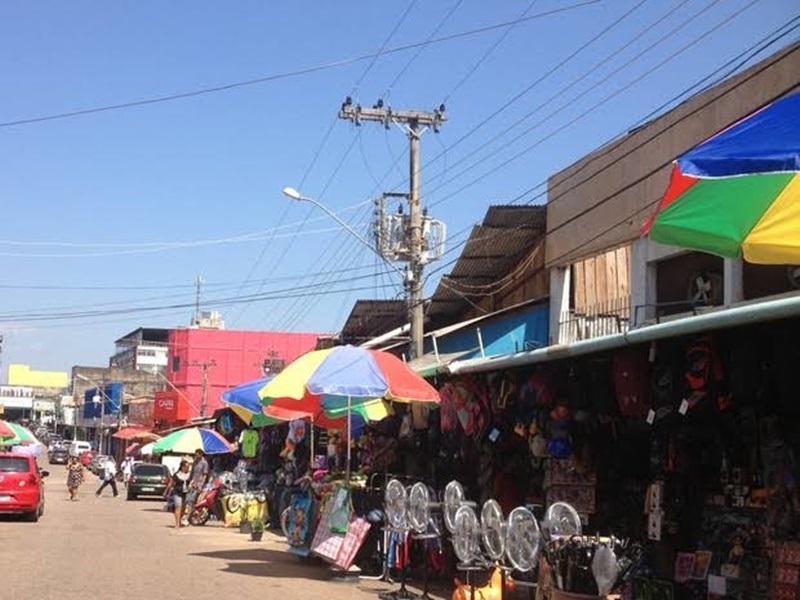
(370, 318)
(493, 249)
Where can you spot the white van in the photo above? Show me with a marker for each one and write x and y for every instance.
(77, 448)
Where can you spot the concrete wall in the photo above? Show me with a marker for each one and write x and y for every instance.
(600, 202)
(137, 383)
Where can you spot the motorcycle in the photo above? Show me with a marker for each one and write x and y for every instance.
(209, 503)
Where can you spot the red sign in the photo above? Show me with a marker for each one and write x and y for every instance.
(170, 407)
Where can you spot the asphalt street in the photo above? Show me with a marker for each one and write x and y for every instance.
(109, 547)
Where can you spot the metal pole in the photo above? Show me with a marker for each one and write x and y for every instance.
(102, 419)
(205, 382)
(415, 266)
(349, 433)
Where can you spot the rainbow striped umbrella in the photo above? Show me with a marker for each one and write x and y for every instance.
(21, 436)
(187, 441)
(738, 193)
(6, 431)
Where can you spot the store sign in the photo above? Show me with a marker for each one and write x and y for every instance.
(170, 407)
(44, 406)
(15, 396)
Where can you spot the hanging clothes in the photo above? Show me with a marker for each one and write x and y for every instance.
(248, 443)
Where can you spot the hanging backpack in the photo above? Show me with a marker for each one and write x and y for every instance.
(703, 373)
(631, 382)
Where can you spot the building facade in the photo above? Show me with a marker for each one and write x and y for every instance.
(144, 349)
(203, 363)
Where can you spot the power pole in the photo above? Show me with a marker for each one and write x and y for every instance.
(413, 123)
(205, 365)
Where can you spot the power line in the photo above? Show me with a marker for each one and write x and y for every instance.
(485, 55)
(322, 145)
(598, 104)
(559, 94)
(414, 57)
(519, 95)
(287, 74)
(156, 309)
(609, 147)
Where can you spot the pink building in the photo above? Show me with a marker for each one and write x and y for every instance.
(228, 358)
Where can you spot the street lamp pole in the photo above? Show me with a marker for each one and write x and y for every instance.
(293, 194)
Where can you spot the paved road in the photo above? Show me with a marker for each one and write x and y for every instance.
(108, 547)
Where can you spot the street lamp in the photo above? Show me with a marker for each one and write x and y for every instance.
(293, 194)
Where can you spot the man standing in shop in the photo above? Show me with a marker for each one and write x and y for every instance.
(200, 472)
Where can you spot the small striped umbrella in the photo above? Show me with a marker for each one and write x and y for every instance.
(5, 431)
(187, 441)
(22, 436)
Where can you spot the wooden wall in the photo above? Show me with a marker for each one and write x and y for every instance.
(601, 280)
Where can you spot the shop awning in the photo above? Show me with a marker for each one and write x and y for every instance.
(744, 314)
(513, 328)
(130, 433)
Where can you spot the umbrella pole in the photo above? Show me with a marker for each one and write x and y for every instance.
(349, 433)
(311, 460)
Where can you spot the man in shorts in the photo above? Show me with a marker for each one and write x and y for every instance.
(200, 472)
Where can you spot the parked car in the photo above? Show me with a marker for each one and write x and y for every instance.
(77, 448)
(98, 463)
(21, 486)
(148, 480)
(58, 456)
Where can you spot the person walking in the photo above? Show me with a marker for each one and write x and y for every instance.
(127, 469)
(109, 477)
(200, 472)
(178, 490)
(74, 477)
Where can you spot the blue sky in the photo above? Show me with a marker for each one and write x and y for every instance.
(116, 213)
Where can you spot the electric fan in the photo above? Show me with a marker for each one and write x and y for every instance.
(395, 504)
(562, 520)
(453, 500)
(522, 539)
(493, 529)
(466, 533)
(420, 502)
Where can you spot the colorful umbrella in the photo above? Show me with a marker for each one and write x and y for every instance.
(187, 441)
(244, 400)
(738, 193)
(6, 431)
(21, 436)
(343, 377)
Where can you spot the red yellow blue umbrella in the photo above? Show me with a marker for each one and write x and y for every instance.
(342, 377)
(738, 193)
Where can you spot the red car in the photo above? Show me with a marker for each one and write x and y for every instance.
(21, 485)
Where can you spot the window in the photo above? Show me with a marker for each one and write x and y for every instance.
(150, 470)
(10, 464)
(176, 364)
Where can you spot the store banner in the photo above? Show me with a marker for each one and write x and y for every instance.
(170, 407)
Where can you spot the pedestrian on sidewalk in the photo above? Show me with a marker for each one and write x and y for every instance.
(74, 477)
(127, 469)
(200, 472)
(178, 489)
(109, 477)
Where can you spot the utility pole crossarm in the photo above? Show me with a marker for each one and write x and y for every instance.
(384, 114)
